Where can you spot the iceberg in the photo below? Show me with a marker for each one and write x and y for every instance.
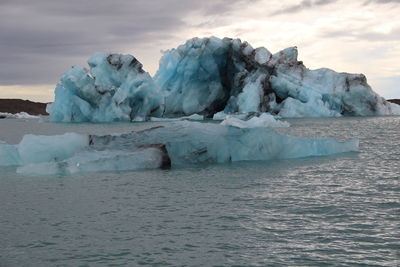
(178, 143)
(194, 142)
(116, 88)
(209, 76)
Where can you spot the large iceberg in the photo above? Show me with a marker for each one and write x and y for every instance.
(209, 76)
(172, 144)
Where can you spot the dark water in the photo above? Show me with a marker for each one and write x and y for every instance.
(331, 211)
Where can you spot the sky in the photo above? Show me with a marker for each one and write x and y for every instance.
(41, 39)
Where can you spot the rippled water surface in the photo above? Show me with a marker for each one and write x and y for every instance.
(331, 211)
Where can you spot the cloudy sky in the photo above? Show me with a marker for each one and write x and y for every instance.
(41, 39)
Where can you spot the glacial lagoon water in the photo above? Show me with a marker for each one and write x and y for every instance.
(342, 210)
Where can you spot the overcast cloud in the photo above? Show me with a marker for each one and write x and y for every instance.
(303, 5)
(41, 39)
(38, 39)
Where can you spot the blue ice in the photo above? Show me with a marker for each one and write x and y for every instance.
(175, 143)
(207, 76)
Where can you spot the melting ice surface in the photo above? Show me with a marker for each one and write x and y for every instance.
(175, 143)
(210, 76)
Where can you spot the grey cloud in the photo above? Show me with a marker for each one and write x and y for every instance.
(393, 35)
(218, 7)
(303, 5)
(40, 39)
(365, 35)
(382, 2)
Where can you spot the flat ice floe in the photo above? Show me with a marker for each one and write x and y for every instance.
(173, 144)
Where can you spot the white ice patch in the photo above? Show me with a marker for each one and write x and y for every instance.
(20, 115)
(264, 120)
(41, 148)
(262, 55)
(249, 100)
(194, 117)
(222, 116)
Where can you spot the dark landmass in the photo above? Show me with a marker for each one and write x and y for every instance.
(18, 105)
(396, 101)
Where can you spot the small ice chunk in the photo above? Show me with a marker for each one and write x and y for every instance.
(262, 55)
(248, 49)
(222, 115)
(264, 120)
(20, 115)
(194, 117)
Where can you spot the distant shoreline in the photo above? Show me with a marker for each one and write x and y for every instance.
(396, 101)
(18, 105)
(37, 108)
